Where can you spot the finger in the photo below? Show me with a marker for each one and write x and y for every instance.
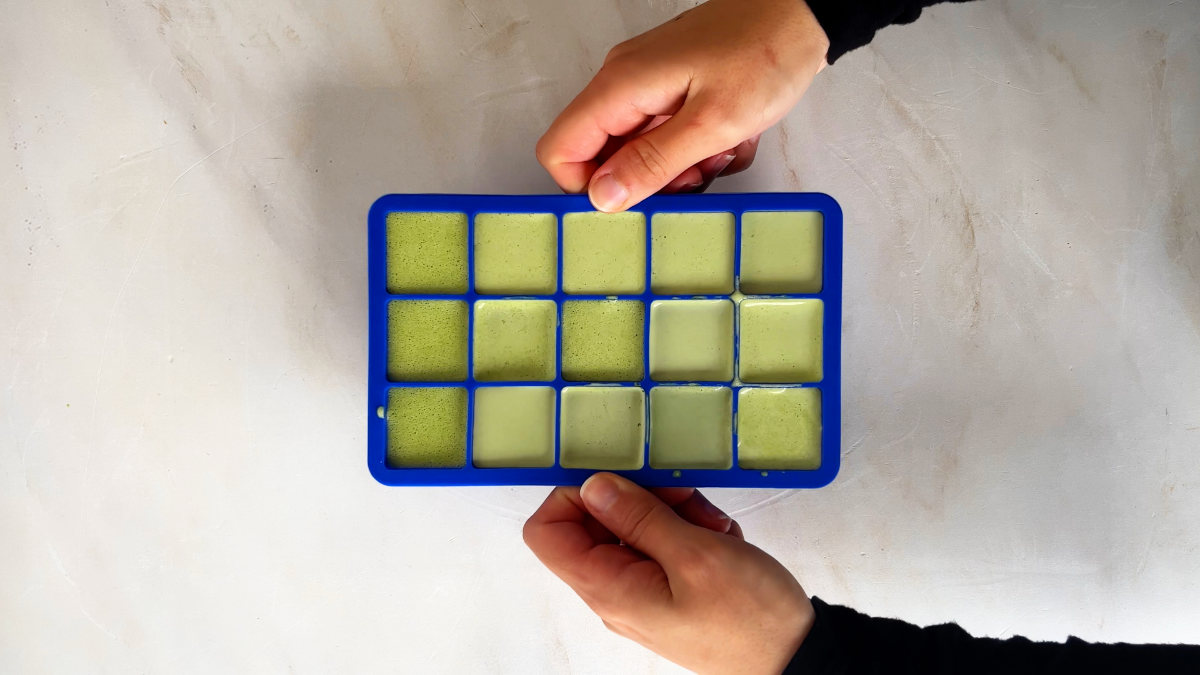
(558, 535)
(638, 517)
(647, 163)
(744, 155)
(613, 104)
(711, 167)
(694, 507)
(697, 510)
(735, 531)
(691, 179)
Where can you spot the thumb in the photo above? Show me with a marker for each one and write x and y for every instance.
(648, 162)
(637, 517)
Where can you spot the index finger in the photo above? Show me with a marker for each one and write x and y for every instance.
(610, 106)
(695, 508)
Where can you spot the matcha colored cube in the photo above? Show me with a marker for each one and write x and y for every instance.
(602, 340)
(780, 340)
(426, 252)
(513, 427)
(514, 340)
(604, 253)
(427, 427)
(516, 253)
(691, 340)
(781, 252)
(691, 253)
(602, 428)
(779, 428)
(427, 341)
(691, 427)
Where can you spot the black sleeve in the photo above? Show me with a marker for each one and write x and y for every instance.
(844, 642)
(850, 24)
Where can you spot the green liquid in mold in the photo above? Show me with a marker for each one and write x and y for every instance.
(427, 427)
(602, 428)
(781, 252)
(427, 341)
(513, 426)
(779, 428)
(691, 427)
(691, 253)
(514, 340)
(691, 340)
(780, 341)
(426, 252)
(516, 253)
(604, 253)
(602, 340)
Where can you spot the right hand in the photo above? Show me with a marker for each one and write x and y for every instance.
(671, 572)
(677, 106)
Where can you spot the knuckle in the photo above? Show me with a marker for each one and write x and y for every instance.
(617, 51)
(542, 152)
(639, 522)
(648, 159)
(527, 533)
(720, 124)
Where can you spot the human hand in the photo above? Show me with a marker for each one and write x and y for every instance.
(675, 107)
(672, 572)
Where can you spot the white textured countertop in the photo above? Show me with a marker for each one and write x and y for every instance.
(183, 481)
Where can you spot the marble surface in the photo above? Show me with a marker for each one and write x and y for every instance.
(183, 316)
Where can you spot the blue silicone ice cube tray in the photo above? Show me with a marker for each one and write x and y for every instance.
(672, 373)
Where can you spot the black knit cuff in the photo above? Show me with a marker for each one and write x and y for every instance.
(850, 25)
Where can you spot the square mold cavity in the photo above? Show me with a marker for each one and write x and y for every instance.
(514, 340)
(516, 253)
(426, 252)
(427, 341)
(691, 427)
(691, 340)
(779, 428)
(602, 428)
(604, 253)
(780, 341)
(781, 252)
(513, 427)
(427, 427)
(602, 340)
(691, 253)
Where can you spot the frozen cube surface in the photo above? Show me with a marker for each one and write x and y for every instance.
(781, 252)
(427, 341)
(691, 427)
(427, 427)
(516, 253)
(513, 427)
(691, 253)
(514, 340)
(602, 428)
(426, 252)
(779, 428)
(691, 340)
(780, 341)
(602, 340)
(604, 253)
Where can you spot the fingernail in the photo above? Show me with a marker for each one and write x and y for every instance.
(724, 163)
(599, 493)
(607, 194)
